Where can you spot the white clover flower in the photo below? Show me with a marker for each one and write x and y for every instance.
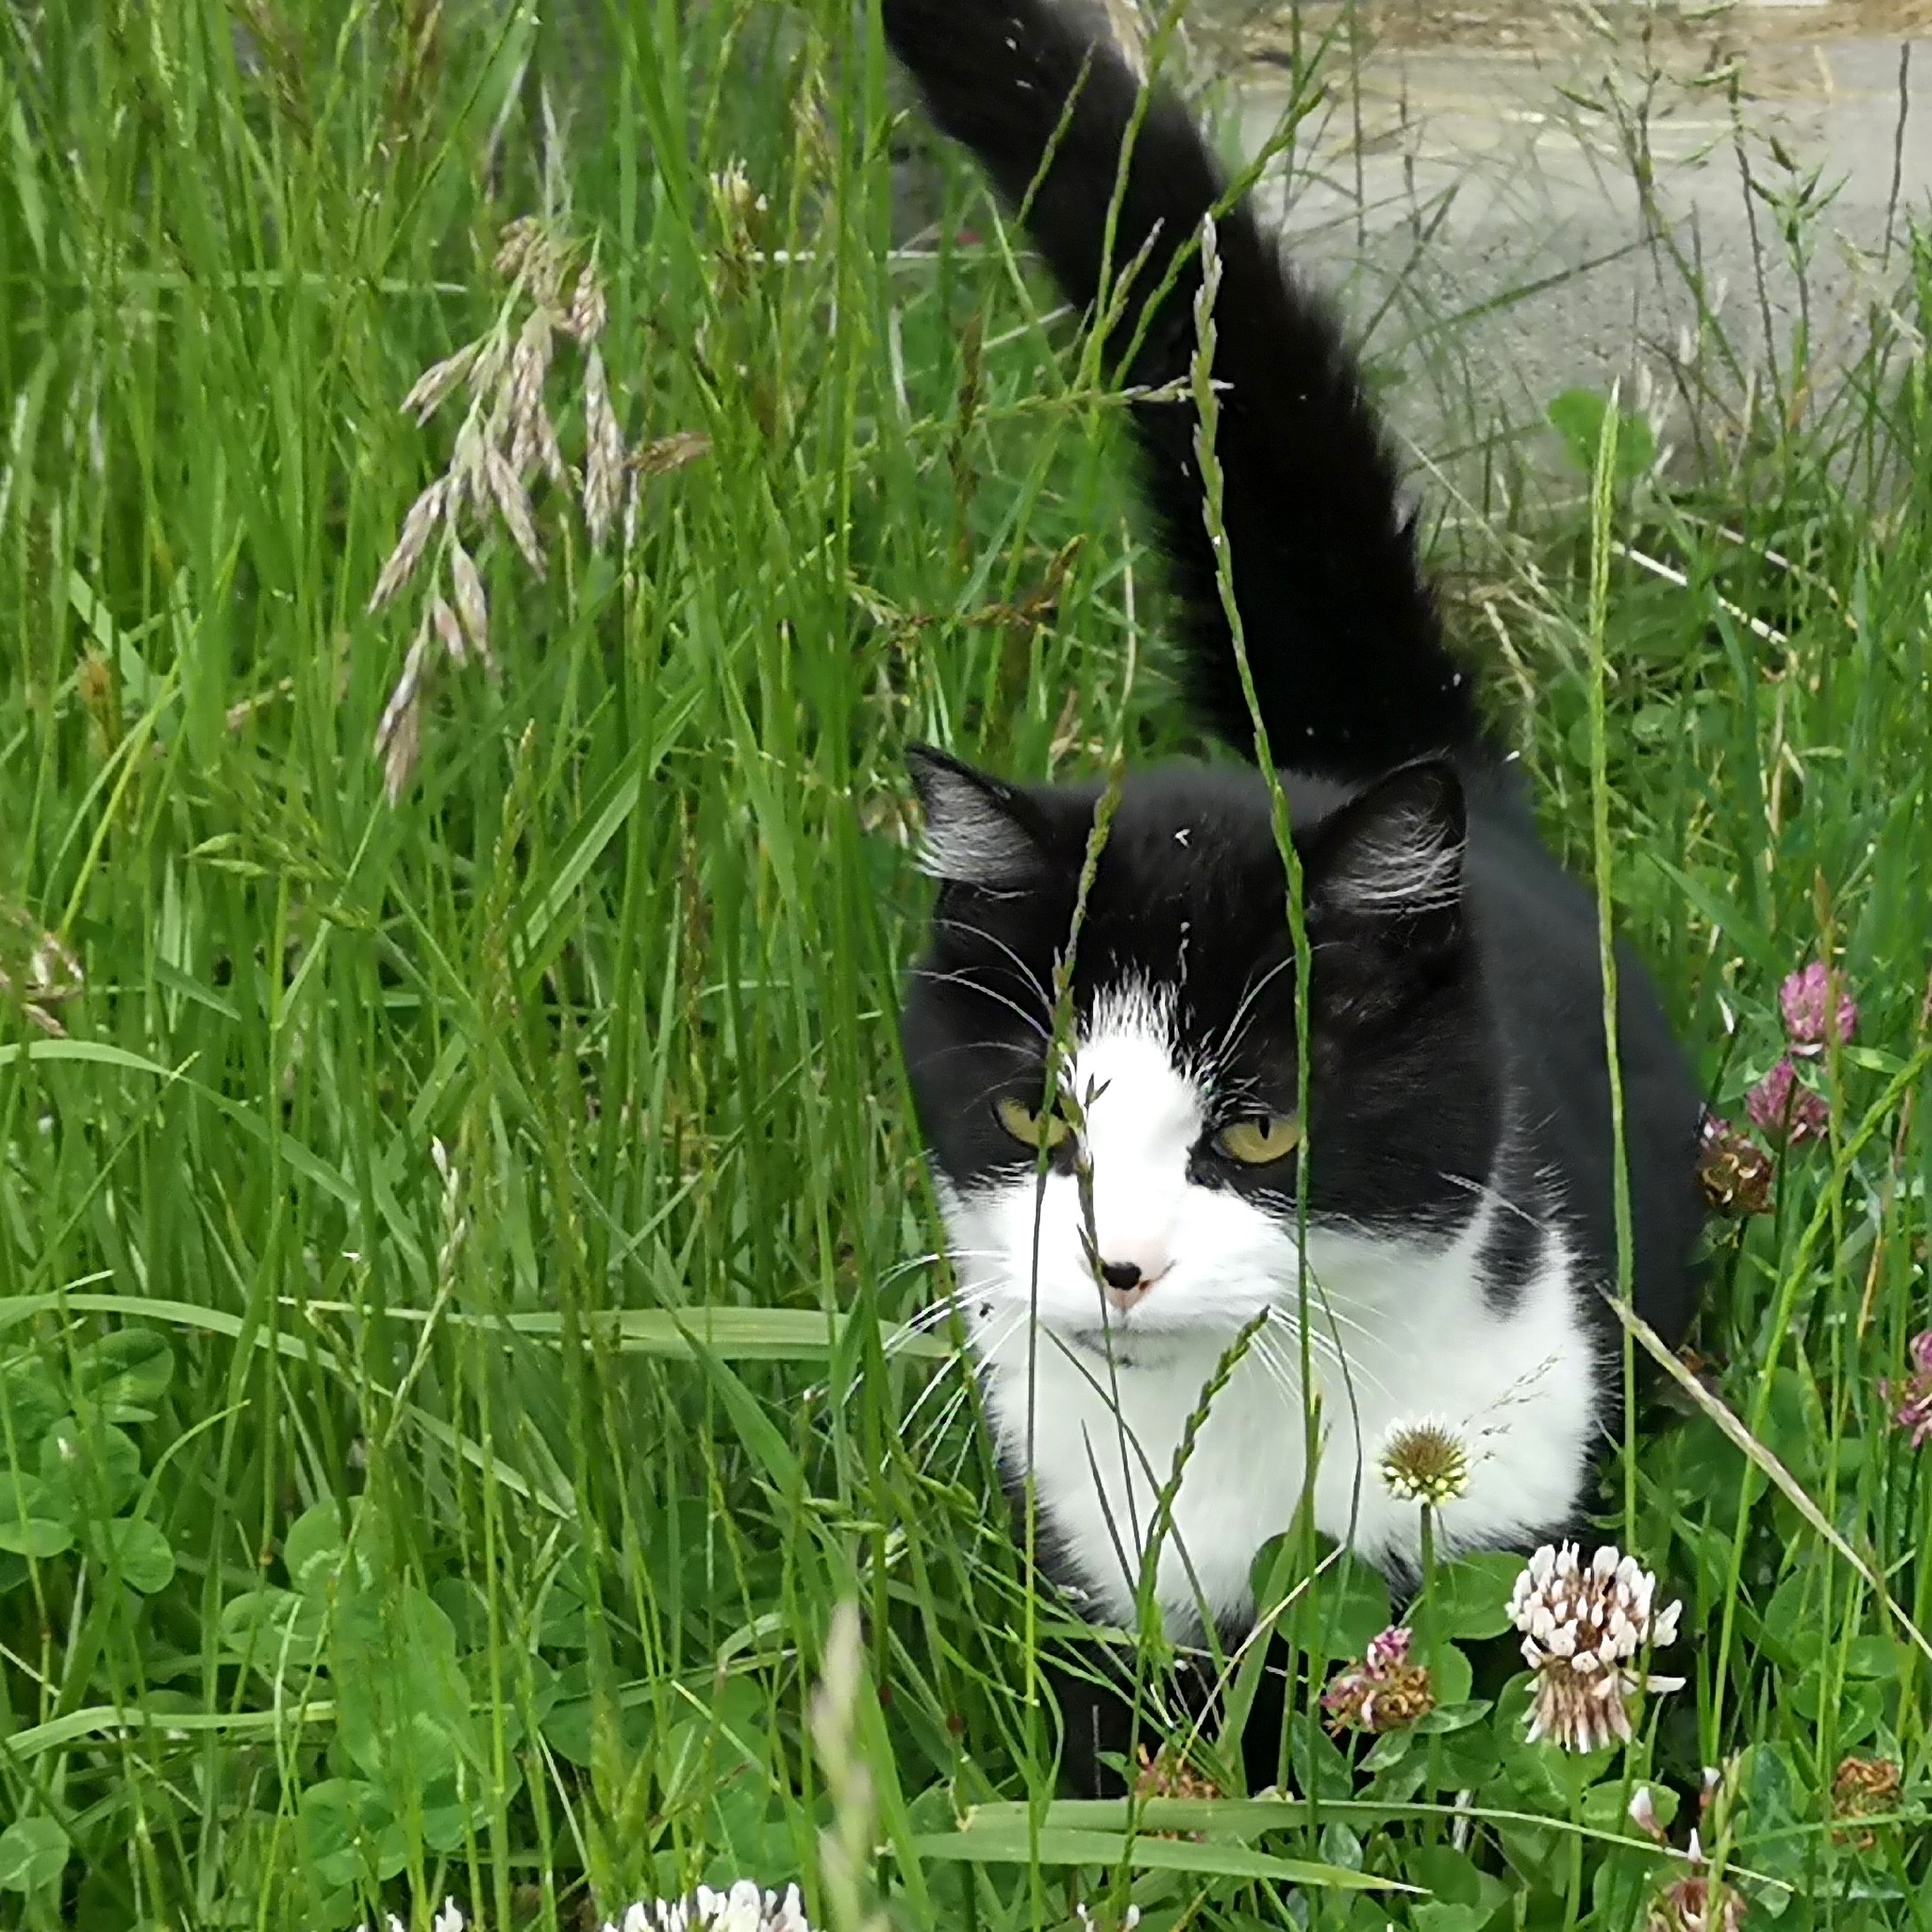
(1583, 1626)
(744, 1908)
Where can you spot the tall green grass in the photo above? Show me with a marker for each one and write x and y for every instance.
(454, 1262)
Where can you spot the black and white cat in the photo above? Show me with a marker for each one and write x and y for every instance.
(1460, 1220)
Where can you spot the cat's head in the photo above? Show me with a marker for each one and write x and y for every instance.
(1177, 1138)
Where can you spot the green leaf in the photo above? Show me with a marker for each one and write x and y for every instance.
(1578, 416)
(1874, 1657)
(126, 1373)
(1453, 1677)
(91, 1468)
(33, 1854)
(755, 1428)
(36, 1536)
(447, 1818)
(270, 1627)
(138, 1554)
(31, 1521)
(1448, 1875)
(1352, 1607)
(1212, 1857)
(402, 1703)
(91, 1051)
(29, 1406)
(1606, 1808)
(1438, 1917)
(1469, 1598)
(331, 1819)
(1446, 1718)
(313, 1550)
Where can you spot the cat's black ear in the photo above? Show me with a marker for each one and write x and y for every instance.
(1393, 855)
(978, 830)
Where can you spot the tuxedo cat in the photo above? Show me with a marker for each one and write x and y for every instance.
(1112, 1245)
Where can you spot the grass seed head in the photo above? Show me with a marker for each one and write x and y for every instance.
(38, 970)
(429, 391)
(603, 453)
(399, 735)
(417, 528)
(472, 605)
(523, 396)
(588, 309)
(514, 505)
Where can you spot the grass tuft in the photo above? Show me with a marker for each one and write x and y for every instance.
(457, 1209)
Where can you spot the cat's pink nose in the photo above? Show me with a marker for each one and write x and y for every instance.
(1124, 1281)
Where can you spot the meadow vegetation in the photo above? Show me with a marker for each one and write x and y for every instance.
(460, 1210)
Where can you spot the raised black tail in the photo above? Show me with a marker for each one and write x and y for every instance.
(1342, 636)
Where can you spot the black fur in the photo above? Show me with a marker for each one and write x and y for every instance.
(1341, 631)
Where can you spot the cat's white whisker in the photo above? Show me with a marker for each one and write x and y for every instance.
(1028, 977)
(1232, 1035)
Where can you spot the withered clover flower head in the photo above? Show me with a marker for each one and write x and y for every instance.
(1384, 1692)
(1734, 1172)
(1914, 1396)
(1864, 1788)
(1696, 1902)
(1584, 1625)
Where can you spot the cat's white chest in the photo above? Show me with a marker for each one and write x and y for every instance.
(1419, 1343)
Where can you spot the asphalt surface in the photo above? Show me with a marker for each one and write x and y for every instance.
(1476, 204)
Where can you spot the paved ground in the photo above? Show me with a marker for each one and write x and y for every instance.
(1470, 153)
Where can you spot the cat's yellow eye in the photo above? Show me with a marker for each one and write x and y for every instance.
(1260, 1139)
(1028, 1128)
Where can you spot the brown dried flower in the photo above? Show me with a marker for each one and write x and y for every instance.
(1734, 1172)
(1166, 1774)
(1864, 1788)
(657, 458)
